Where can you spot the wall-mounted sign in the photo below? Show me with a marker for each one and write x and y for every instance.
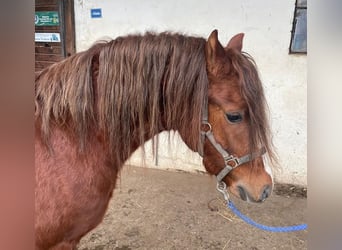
(46, 18)
(47, 37)
(96, 13)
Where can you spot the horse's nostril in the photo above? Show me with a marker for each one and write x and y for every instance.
(266, 193)
(242, 193)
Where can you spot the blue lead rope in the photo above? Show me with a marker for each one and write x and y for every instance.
(263, 227)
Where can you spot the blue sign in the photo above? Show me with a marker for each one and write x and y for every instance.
(96, 13)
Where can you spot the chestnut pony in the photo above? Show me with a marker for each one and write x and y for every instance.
(95, 108)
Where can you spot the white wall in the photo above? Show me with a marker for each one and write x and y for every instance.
(267, 26)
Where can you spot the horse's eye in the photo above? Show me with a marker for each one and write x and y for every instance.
(234, 117)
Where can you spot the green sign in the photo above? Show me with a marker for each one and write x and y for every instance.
(46, 18)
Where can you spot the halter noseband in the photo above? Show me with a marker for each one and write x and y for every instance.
(230, 161)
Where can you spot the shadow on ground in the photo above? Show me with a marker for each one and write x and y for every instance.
(158, 209)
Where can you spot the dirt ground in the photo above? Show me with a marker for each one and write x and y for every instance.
(158, 209)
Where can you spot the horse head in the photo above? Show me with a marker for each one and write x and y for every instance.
(235, 121)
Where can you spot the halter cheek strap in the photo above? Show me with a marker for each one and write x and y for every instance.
(230, 161)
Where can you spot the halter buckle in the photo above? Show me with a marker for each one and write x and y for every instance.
(232, 161)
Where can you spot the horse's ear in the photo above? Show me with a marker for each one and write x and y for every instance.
(236, 42)
(214, 49)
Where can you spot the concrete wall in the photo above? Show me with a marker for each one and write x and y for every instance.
(267, 26)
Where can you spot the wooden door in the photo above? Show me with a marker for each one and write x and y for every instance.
(54, 31)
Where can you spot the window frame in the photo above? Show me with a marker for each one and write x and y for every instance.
(300, 6)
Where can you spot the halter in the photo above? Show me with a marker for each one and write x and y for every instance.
(230, 161)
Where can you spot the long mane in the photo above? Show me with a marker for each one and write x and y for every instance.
(128, 89)
(125, 90)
